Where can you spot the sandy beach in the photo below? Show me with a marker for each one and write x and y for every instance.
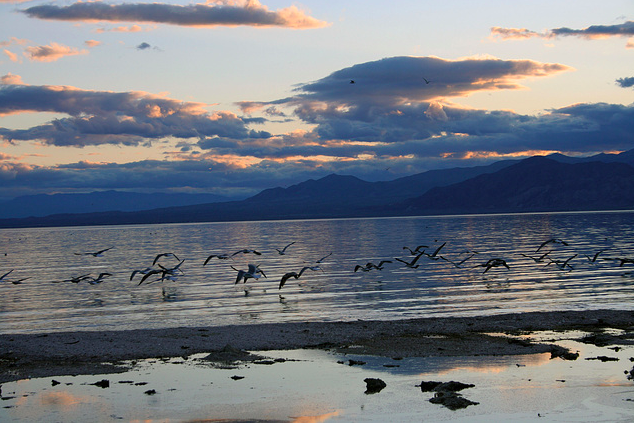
(73, 353)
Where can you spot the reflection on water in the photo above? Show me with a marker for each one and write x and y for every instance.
(318, 386)
(206, 295)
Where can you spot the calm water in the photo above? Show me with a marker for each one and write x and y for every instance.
(207, 295)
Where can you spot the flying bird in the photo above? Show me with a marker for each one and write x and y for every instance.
(247, 251)
(296, 275)
(416, 250)
(283, 250)
(218, 256)
(369, 266)
(158, 256)
(494, 262)
(412, 264)
(142, 271)
(562, 264)
(98, 279)
(6, 274)
(95, 254)
(324, 258)
(253, 272)
(553, 241)
(426, 80)
(435, 255)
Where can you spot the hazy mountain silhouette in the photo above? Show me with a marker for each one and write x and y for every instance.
(45, 204)
(556, 183)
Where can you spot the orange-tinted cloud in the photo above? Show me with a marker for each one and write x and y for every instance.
(51, 52)
(11, 55)
(131, 28)
(92, 43)
(250, 12)
(11, 79)
(592, 32)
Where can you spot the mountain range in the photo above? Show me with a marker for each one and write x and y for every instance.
(553, 183)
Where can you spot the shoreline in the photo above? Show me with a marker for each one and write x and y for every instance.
(25, 356)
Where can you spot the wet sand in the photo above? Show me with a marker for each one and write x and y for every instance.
(73, 353)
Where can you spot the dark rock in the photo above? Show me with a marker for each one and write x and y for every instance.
(603, 358)
(428, 386)
(103, 383)
(54, 382)
(236, 377)
(150, 392)
(355, 363)
(451, 400)
(562, 353)
(452, 386)
(374, 385)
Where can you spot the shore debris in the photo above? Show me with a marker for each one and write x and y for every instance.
(373, 385)
(445, 393)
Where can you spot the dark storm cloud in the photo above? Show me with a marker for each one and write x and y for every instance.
(103, 117)
(625, 82)
(250, 12)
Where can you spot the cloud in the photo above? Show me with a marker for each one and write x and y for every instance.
(11, 79)
(514, 33)
(390, 111)
(52, 52)
(592, 32)
(131, 28)
(92, 43)
(12, 56)
(250, 12)
(143, 46)
(400, 81)
(625, 82)
(120, 118)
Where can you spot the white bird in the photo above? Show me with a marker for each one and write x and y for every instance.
(283, 250)
(253, 272)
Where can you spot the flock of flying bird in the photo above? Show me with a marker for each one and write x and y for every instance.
(159, 271)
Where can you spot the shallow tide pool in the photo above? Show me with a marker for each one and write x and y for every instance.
(321, 386)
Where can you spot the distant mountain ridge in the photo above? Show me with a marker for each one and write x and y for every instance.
(553, 183)
(535, 184)
(45, 204)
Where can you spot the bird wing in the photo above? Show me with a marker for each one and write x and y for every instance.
(438, 250)
(3, 276)
(286, 277)
(150, 273)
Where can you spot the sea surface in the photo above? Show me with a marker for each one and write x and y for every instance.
(208, 295)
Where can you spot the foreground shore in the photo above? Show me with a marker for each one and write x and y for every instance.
(73, 353)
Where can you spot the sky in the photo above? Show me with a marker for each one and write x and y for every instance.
(235, 96)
